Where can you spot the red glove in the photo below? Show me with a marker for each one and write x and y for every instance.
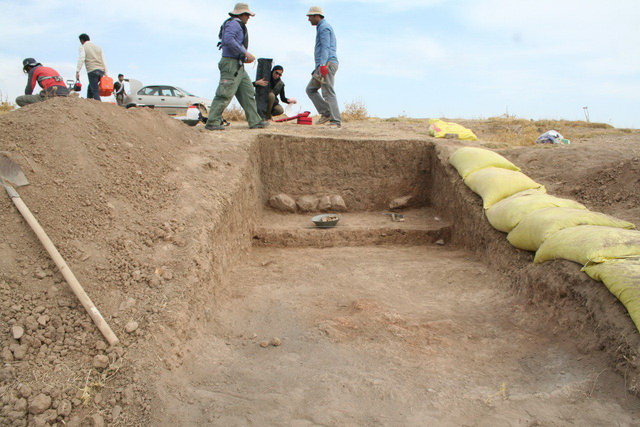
(324, 70)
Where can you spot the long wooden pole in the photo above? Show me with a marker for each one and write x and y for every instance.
(76, 287)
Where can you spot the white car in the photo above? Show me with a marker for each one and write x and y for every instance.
(170, 99)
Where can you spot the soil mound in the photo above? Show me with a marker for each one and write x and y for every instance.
(99, 186)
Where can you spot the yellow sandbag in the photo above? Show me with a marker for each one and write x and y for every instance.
(508, 213)
(538, 225)
(467, 160)
(440, 129)
(495, 184)
(589, 243)
(622, 278)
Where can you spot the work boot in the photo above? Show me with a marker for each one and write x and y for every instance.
(322, 120)
(335, 125)
(214, 127)
(260, 125)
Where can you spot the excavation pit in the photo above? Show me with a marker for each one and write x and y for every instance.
(372, 322)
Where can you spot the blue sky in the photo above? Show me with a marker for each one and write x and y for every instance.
(422, 58)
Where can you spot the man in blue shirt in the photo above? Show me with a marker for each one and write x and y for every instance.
(234, 80)
(324, 75)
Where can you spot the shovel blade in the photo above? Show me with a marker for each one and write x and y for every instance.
(10, 171)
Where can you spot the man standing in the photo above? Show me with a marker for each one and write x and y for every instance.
(234, 80)
(48, 79)
(323, 77)
(118, 90)
(92, 58)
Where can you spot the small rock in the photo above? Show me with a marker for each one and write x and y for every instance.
(100, 361)
(264, 344)
(440, 242)
(115, 413)
(324, 204)
(276, 342)
(64, 408)
(39, 404)
(20, 405)
(308, 203)
(400, 202)
(41, 274)
(7, 373)
(39, 309)
(24, 390)
(6, 355)
(19, 351)
(43, 320)
(282, 202)
(96, 420)
(338, 204)
(17, 332)
(131, 327)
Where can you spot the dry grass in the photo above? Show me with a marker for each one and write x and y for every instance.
(354, 111)
(5, 105)
(233, 113)
(514, 131)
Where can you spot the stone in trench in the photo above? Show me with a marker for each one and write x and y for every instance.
(338, 204)
(282, 202)
(324, 204)
(39, 404)
(276, 342)
(100, 361)
(307, 203)
(400, 202)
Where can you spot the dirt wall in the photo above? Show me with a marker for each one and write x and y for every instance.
(368, 174)
(581, 304)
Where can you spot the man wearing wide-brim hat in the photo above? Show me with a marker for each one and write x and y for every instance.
(234, 80)
(324, 75)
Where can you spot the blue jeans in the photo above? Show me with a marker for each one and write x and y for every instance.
(94, 78)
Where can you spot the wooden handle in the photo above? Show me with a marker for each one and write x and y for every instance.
(76, 287)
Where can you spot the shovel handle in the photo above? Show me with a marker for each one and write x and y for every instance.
(76, 287)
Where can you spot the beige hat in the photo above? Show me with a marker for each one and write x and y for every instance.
(315, 10)
(240, 9)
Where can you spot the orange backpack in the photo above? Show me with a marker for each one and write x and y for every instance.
(105, 86)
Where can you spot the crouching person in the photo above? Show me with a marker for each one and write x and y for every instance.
(47, 78)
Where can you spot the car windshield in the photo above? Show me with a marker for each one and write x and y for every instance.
(184, 91)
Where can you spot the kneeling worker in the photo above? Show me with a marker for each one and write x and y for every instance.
(276, 86)
(48, 79)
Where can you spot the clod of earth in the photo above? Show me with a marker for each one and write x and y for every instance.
(39, 404)
(17, 332)
(131, 327)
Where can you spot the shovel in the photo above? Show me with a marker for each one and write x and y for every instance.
(10, 172)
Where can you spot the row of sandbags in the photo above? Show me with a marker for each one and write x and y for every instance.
(553, 227)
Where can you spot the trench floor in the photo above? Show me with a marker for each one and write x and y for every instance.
(387, 335)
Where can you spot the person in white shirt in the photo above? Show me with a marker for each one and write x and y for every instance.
(92, 58)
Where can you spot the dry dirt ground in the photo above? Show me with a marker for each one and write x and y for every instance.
(157, 220)
(384, 336)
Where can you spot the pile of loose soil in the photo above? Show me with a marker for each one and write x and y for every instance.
(100, 187)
